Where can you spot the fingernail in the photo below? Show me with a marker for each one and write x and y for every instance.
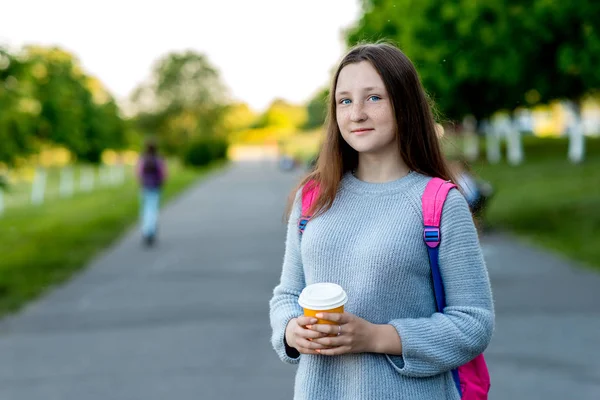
(319, 315)
(309, 339)
(308, 326)
(318, 351)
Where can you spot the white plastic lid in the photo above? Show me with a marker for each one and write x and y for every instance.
(322, 296)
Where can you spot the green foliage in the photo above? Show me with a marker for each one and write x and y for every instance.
(317, 110)
(281, 114)
(45, 98)
(184, 100)
(204, 151)
(476, 57)
(18, 109)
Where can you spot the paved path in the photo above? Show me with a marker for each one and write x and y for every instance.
(189, 319)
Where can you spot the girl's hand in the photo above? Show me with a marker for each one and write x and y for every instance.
(302, 339)
(352, 334)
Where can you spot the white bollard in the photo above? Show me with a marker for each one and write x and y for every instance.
(575, 132)
(120, 173)
(514, 143)
(471, 140)
(492, 146)
(38, 187)
(86, 182)
(104, 174)
(576, 141)
(67, 182)
(114, 175)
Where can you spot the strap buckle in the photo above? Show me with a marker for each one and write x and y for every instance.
(302, 221)
(432, 236)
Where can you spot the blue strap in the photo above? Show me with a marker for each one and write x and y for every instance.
(440, 297)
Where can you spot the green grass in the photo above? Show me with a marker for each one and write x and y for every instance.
(549, 201)
(44, 245)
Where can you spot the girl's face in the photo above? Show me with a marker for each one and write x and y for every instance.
(364, 110)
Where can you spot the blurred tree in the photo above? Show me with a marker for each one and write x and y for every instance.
(45, 98)
(282, 114)
(60, 90)
(562, 48)
(18, 108)
(464, 51)
(184, 99)
(239, 116)
(317, 110)
(478, 57)
(75, 110)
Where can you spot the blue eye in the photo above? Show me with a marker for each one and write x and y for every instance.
(375, 98)
(343, 101)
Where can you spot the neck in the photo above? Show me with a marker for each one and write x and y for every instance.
(376, 169)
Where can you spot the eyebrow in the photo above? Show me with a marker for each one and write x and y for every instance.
(367, 89)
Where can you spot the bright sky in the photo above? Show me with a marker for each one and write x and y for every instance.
(263, 48)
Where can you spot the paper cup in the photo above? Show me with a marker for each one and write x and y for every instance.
(322, 297)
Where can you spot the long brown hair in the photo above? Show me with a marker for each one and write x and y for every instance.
(416, 128)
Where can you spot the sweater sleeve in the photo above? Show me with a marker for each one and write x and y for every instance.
(284, 303)
(445, 341)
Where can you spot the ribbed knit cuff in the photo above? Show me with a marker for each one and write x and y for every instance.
(286, 353)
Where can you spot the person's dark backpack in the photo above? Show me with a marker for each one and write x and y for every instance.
(151, 172)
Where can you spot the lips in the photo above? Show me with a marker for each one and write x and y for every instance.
(361, 131)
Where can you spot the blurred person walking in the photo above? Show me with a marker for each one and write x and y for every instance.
(151, 172)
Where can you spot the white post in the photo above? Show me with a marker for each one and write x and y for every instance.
(86, 179)
(576, 135)
(471, 144)
(67, 184)
(103, 174)
(492, 143)
(38, 187)
(513, 141)
(120, 173)
(114, 175)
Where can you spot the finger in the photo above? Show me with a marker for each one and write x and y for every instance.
(303, 350)
(334, 351)
(334, 317)
(330, 341)
(303, 321)
(325, 328)
(312, 345)
(309, 334)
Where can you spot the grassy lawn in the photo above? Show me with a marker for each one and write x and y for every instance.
(44, 245)
(547, 200)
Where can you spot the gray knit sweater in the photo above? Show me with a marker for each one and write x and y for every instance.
(371, 243)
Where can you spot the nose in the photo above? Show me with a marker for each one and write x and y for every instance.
(357, 114)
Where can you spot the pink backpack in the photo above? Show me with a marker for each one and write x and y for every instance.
(472, 380)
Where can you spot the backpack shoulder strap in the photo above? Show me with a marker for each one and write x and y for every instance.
(433, 201)
(310, 193)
